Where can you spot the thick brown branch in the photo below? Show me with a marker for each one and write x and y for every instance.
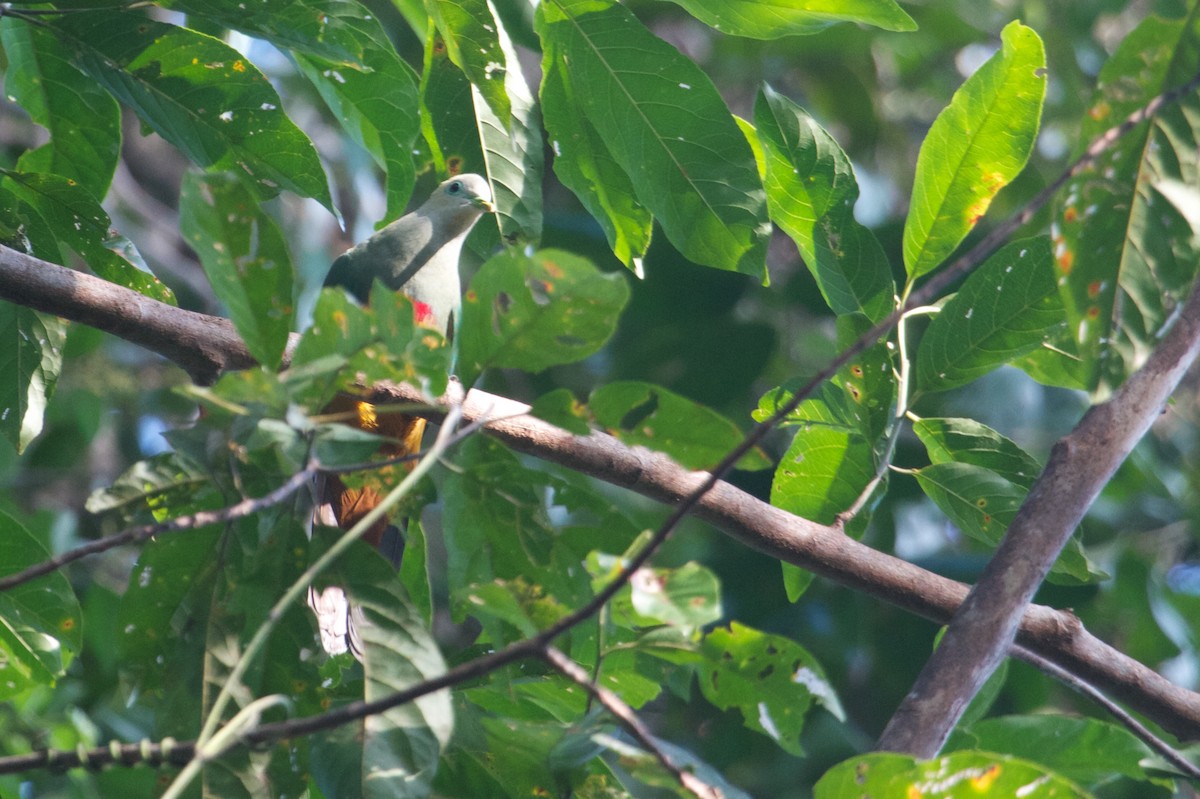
(204, 346)
(1058, 636)
(1080, 465)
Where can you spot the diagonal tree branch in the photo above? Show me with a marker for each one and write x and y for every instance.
(1080, 465)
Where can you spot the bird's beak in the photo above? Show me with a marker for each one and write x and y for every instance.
(484, 205)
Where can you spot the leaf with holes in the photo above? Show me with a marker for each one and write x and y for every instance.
(695, 436)
(535, 311)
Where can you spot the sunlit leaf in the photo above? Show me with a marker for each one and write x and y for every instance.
(961, 775)
(771, 19)
(1007, 308)
(811, 191)
(665, 125)
(978, 144)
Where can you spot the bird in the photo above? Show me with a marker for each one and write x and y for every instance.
(416, 255)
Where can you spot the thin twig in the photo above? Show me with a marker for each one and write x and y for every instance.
(135, 535)
(613, 703)
(1185, 766)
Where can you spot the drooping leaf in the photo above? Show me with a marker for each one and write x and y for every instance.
(695, 436)
(83, 120)
(1007, 308)
(245, 257)
(473, 41)
(1114, 235)
(31, 361)
(534, 311)
(512, 143)
(401, 746)
(665, 125)
(375, 103)
(811, 191)
(585, 166)
(969, 441)
(961, 775)
(78, 221)
(982, 504)
(200, 95)
(975, 147)
(40, 621)
(771, 19)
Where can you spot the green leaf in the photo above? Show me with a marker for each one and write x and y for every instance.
(978, 144)
(982, 504)
(1007, 308)
(811, 192)
(348, 345)
(448, 114)
(83, 121)
(1112, 230)
(584, 164)
(648, 415)
(968, 441)
(473, 40)
(512, 143)
(40, 621)
(31, 369)
(961, 775)
(328, 29)
(75, 218)
(770, 679)
(376, 104)
(149, 482)
(771, 19)
(667, 128)
(401, 746)
(823, 472)
(200, 95)
(245, 257)
(560, 408)
(534, 311)
(689, 596)
(160, 597)
(1089, 751)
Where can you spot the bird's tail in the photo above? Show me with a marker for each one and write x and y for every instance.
(342, 506)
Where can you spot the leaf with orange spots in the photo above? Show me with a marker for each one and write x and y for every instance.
(30, 614)
(961, 775)
(534, 311)
(200, 95)
(1125, 256)
(982, 504)
(978, 144)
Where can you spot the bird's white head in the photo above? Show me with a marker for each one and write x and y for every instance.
(468, 195)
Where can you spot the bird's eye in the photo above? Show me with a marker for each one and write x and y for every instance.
(455, 187)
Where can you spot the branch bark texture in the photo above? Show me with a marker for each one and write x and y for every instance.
(1080, 465)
